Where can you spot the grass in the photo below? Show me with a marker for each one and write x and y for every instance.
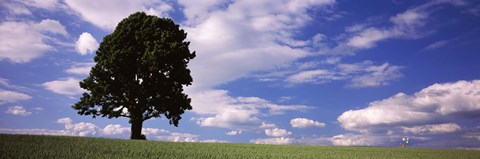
(32, 146)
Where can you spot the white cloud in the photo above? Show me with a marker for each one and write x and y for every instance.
(444, 102)
(234, 132)
(279, 140)
(115, 129)
(232, 119)
(405, 25)
(367, 38)
(51, 26)
(65, 121)
(475, 135)
(313, 140)
(376, 76)
(6, 83)
(271, 22)
(179, 137)
(78, 129)
(153, 131)
(82, 129)
(433, 128)
(276, 132)
(34, 131)
(86, 44)
(436, 45)
(107, 13)
(16, 8)
(413, 17)
(24, 41)
(313, 76)
(67, 86)
(267, 125)
(214, 141)
(80, 68)
(353, 140)
(283, 99)
(44, 4)
(18, 110)
(11, 96)
(119, 130)
(240, 113)
(111, 130)
(363, 74)
(305, 123)
(197, 11)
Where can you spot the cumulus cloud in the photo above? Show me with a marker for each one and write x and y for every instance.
(273, 45)
(154, 131)
(220, 32)
(353, 140)
(179, 137)
(240, 113)
(18, 110)
(24, 41)
(12, 96)
(86, 44)
(51, 26)
(106, 14)
(276, 132)
(433, 128)
(111, 130)
(278, 140)
(305, 123)
(232, 119)
(78, 129)
(67, 86)
(438, 102)
(115, 129)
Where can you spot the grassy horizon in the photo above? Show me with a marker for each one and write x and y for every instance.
(38, 146)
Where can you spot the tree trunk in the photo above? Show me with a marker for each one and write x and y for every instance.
(136, 131)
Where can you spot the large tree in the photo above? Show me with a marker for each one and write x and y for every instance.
(140, 72)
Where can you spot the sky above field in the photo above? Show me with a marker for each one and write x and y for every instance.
(316, 72)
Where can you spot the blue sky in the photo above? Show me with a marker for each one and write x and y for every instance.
(318, 72)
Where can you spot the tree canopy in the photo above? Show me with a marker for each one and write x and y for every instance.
(140, 72)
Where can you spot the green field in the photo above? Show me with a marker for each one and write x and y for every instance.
(30, 146)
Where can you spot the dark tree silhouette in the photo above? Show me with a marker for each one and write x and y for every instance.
(140, 72)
